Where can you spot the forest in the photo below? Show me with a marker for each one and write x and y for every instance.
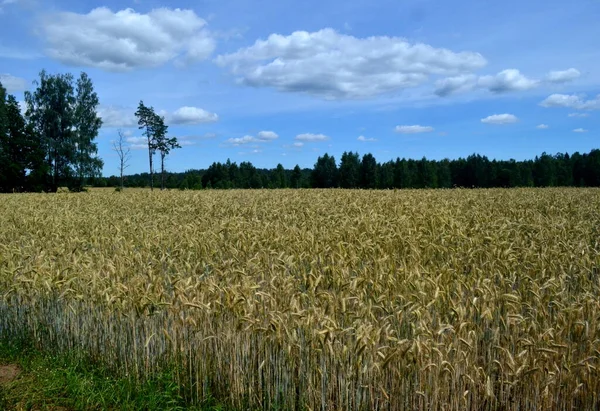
(353, 171)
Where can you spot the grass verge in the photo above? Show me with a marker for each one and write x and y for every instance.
(48, 381)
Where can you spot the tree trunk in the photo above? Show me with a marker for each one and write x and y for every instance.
(122, 166)
(151, 171)
(162, 171)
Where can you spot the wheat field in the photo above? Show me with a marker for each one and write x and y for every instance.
(318, 299)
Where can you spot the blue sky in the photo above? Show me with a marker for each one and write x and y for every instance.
(282, 81)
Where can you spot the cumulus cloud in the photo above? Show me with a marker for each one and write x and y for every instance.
(455, 85)
(580, 130)
(563, 76)
(192, 140)
(500, 119)
(205, 136)
(507, 80)
(365, 139)
(192, 115)
(574, 101)
(126, 40)
(309, 137)
(331, 65)
(13, 84)
(261, 137)
(413, 129)
(239, 141)
(113, 116)
(137, 143)
(184, 143)
(267, 135)
(542, 126)
(255, 151)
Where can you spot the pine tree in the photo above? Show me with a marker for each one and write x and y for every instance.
(368, 172)
(162, 144)
(296, 177)
(349, 170)
(146, 121)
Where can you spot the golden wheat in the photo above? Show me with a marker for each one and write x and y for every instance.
(455, 299)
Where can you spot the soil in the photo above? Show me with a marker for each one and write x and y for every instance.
(9, 373)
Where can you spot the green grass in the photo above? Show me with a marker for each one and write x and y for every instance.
(69, 382)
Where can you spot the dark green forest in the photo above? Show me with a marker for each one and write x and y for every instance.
(353, 171)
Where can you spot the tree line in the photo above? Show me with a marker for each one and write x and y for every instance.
(50, 142)
(354, 171)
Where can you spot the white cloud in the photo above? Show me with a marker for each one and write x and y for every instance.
(507, 80)
(298, 144)
(137, 143)
(563, 76)
(192, 115)
(241, 141)
(113, 116)
(205, 136)
(183, 142)
(262, 137)
(365, 139)
(577, 102)
(309, 137)
(13, 84)
(454, 85)
(578, 114)
(125, 40)
(580, 130)
(500, 119)
(137, 140)
(338, 66)
(413, 129)
(255, 151)
(543, 126)
(267, 135)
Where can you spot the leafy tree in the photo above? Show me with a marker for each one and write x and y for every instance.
(87, 125)
(22, 152)
(349, 170)
(66, 123)
(50, 110)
